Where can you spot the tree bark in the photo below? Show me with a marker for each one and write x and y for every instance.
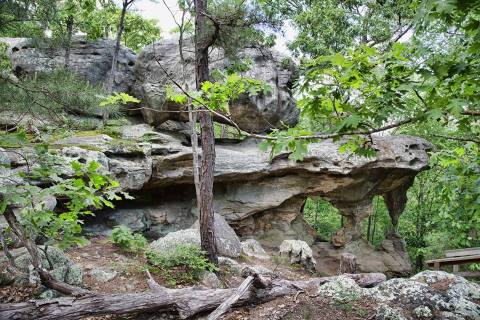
(348, 263)
(205, 204)
(192, 118)
(187, 302)
(69, 40)
(116, 49)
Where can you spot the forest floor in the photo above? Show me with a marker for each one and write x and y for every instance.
(130, 277)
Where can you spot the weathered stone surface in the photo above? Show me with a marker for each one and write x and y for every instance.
(256, 114)
(261, 198)
(299, 252)
(210, 280)
(59, 264)
(130, 165)
(264, 199)
(101, 275)
(427, 295)
(174, 239)
(88, 59)
(385, 312)
(423, 312)
(136, 131)
(226, 240)
(394, 262)
(134, 219)
(456, 286)
(342, 290)
(252, 248)
(230, 265)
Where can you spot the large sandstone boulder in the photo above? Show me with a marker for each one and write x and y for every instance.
(261, 198)
(255, 114)
(226, 241)
(298, 251)
(252, 248)
(88, 59)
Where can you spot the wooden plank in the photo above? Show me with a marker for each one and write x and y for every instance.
(468, 274)
(455, 268)
(454, 260)
(462, 252)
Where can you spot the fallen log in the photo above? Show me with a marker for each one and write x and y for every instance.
(186, 301)
(227, 304)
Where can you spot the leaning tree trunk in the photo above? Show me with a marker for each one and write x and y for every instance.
(205, 204)
(45, 277)
(187, 302)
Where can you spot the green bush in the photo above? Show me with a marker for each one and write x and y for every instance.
(127, 240)
(185, 264)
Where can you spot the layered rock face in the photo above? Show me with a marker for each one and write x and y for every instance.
(259, 197)
(159, 64)
(88, 59)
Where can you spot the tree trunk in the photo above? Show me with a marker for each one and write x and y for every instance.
(187, 302)
(369, 226)
(116, 49)
(348, 263)
(224, 131)
(205, 205)
(192, 118)
(69, 40)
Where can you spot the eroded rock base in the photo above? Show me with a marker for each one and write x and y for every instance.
(389, 259)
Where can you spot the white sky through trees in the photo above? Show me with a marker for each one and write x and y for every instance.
(157, 10)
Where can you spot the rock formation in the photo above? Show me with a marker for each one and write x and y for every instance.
(255, 114)
(298, 251)
(259, 197)
(226, 240)
(427, 295)
(253, 249)
(89, 59)
(62, 268)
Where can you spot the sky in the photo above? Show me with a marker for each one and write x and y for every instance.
(157, 10)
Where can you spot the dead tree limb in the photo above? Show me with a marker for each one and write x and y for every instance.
(228, 303)
(45, 277)
(187, 302)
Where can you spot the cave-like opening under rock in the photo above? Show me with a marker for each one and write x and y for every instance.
(323, 217)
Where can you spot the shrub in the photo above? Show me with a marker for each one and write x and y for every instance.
(127, 240)
(185, 264)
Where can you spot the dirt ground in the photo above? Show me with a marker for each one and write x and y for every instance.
(305, 307)
(101, 253)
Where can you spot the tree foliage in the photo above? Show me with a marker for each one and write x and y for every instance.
(138, 31)
(425, 86)
(87, 189)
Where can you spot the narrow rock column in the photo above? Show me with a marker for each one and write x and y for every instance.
(354, 214)
(396, 200)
